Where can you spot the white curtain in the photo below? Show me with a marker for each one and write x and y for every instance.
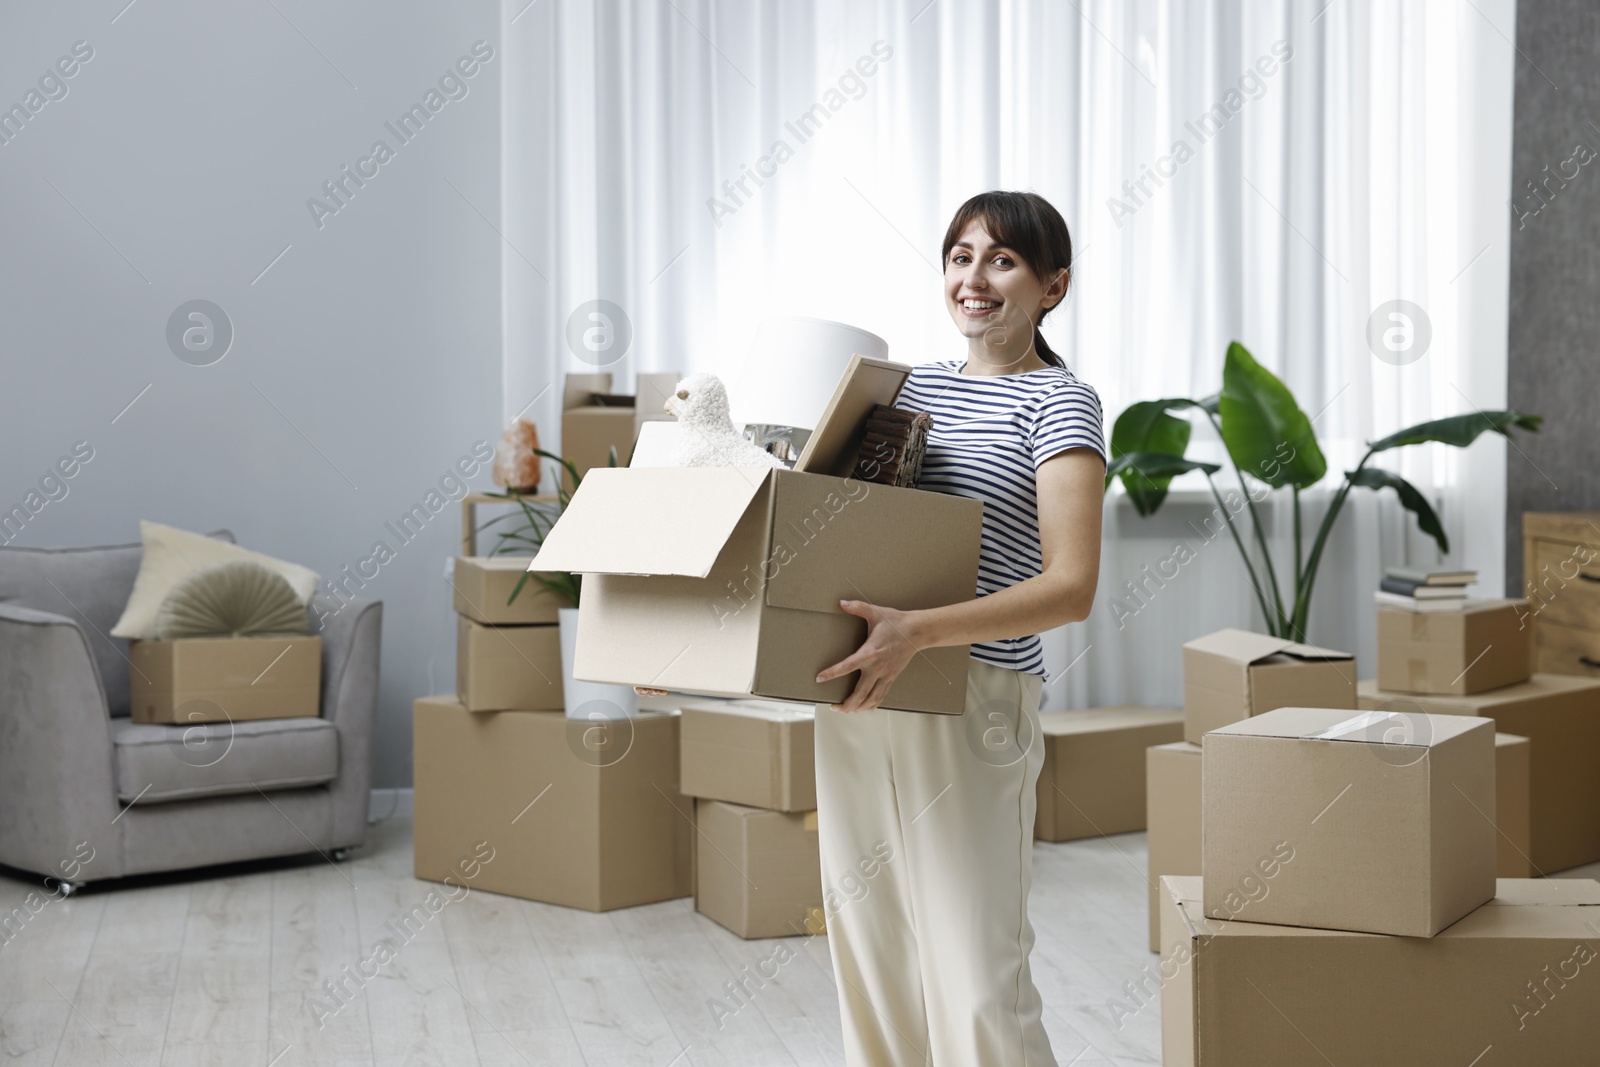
(704, 164)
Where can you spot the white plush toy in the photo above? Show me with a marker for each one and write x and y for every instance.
(707, 437)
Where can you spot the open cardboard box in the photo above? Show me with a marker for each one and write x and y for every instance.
(726, 581)
(1231, 675)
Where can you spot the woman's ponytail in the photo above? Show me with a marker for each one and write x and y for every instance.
(1042, 348)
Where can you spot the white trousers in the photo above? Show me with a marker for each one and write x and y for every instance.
(926, 830)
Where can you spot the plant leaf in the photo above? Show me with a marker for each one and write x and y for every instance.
(1152, 469)
(1148, 427)
(1267, 435)
(1460, 430)
(1410, 498)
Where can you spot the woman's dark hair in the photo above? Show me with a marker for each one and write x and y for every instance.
(1030, 227)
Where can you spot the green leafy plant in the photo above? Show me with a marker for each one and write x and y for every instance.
(1267, 436)
(538, 517)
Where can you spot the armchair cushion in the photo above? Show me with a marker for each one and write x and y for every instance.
(163, 763)
(87, 585)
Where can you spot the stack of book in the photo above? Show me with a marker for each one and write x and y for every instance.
(1421, 590)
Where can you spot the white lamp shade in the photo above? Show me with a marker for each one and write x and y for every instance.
(792, 368)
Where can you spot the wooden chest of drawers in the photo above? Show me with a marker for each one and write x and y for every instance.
(1561, 579)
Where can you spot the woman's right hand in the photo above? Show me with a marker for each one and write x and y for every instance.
(646, 691)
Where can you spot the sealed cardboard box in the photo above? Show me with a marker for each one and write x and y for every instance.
(1560, 716)
(759, 754)
(1172, 802)
(1483, 646)
(1380, 822)
(1234, 674)
(726, 581)
(759, 873)
(1511, 820)
(1092, 782)
(585, 814)
(1508, 984)
(225, 679)
(595, 421)
(508, 668)
(483, 586)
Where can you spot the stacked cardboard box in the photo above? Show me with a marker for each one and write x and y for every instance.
(508, 652)
(749, 766)
(1348, 881)
(1504, 985)
(585, 814)
(1172, 804)
(1093, 779)
(1228, 675)
(595, 422)
(1234, 674)
(1478, 661)
(1316, 817)
(1172, 795)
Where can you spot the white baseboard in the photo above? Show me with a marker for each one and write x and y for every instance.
(387, 803)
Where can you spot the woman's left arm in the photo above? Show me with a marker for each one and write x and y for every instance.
(1070, 487)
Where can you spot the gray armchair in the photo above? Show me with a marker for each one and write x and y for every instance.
(78, 778)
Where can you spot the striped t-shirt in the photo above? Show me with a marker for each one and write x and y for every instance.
(990, 433)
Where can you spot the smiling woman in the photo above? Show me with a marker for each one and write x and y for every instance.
(944, 948)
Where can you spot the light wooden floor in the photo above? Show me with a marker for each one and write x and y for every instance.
(221, 971)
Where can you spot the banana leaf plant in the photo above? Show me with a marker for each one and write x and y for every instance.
(1267, 436)
(538, 516)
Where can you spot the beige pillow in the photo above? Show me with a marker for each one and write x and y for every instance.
(171, 555)
(239, 598)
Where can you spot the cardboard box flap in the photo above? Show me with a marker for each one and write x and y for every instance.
(1299, 651)
(827, 546)
(658, 521)
(1336, 724)
(832, 446)
(1244, 646)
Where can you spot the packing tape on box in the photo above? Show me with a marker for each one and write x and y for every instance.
(811, 820)
(1359, 724)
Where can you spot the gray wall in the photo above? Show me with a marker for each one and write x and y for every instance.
(1555, 267)
(365, 362)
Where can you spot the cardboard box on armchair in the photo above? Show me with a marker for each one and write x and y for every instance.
(225, 679)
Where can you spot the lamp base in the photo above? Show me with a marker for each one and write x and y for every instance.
(783, 442)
